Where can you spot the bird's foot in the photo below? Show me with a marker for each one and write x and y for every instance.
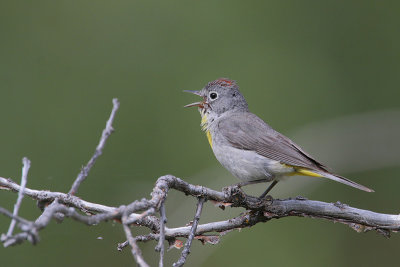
(233, 189)
(234, 193)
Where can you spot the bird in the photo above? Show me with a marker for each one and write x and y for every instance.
(247, 146)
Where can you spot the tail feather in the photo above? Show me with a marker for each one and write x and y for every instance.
(333, 177)
(345, 181)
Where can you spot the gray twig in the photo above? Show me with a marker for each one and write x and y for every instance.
(24, 177)
(122, 245)
(12, 216)
(136, 252)
(186, 249)
(141, 238)
(99, 150)
(160, 247)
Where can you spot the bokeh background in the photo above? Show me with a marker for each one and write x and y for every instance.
(325, 73)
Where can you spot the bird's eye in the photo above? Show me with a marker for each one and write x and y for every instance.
(213, 95)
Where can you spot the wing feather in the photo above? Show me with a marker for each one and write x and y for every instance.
(248, 132)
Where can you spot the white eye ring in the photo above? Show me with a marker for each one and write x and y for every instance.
(213, 95)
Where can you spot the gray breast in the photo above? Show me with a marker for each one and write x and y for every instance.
(245, 165)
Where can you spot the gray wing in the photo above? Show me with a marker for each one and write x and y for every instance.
(249, 132)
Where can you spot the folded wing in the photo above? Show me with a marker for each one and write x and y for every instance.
(248, 132)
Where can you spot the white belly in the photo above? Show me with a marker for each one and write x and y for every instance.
(248, 165)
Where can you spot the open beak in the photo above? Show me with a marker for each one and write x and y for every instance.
(196, 104)
(193, 92)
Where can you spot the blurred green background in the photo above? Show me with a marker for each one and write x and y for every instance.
(325, 73)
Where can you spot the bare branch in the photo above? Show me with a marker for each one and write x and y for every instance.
(259, 211)
(26, 165)
(136, 252)
(186, 249)
(160, 247)
(12, 216)
(99, 150)
(47, 196)
(142, 238)
(267, 209)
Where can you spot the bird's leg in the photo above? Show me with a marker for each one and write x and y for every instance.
(269, 188)
(235, 188)
(241, 184)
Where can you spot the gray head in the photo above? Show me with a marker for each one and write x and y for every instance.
(220, 96)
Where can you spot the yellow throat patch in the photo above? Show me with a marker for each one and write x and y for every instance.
(204, 127)
(209, 138)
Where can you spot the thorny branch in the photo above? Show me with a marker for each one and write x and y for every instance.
(142, 212)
